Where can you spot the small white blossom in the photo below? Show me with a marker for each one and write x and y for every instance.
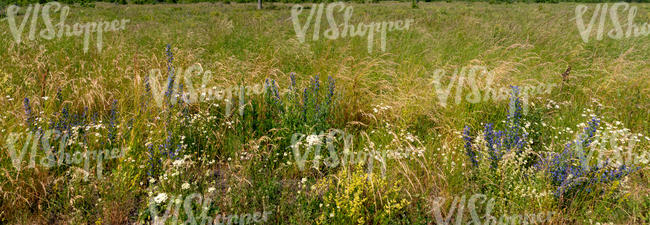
(160, 198)
(313, 140)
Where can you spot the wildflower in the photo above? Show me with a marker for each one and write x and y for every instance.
(160, 198)
(293, 80)
(497, 142)
(170, 70)
(316, 84)
(331, 89)
(569, 178)
(185, 186)
(587, 136)
(112, 119)
(294, 146)
(515, 137)
(28, 111)
(274, 88)
(178, 162)
(313, 140)
(147, 86)
(468, 146)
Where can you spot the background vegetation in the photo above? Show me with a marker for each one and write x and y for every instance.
(385, 99)
(23, 2)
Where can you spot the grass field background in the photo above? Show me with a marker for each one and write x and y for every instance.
(385, 99)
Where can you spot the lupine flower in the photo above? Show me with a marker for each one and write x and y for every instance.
(167, 145)
(587, 136)
(468, 147)
(493, 143)
(112, 119)
(177, 151)
(151, 164)
(316, 87)
(28, 112)
(64, 118)
(316, 84)
(292, 97)
(498, 142)
(83, 115)
(59, 97)
(305, 98)
(570, 176)
(515, 138)
(147, 86)
(331, 89)
(275, 90)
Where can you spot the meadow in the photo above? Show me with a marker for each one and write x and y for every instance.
(216, 113)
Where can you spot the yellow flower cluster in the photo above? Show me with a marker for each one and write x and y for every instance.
(355, 197)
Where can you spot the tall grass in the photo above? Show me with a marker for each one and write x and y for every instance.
(384, 99)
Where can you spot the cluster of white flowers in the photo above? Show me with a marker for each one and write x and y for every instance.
(552, 105)
(313, 140)
(380, 108)
(620, 146)
(160, 198)
(403, 144)
(178, 162)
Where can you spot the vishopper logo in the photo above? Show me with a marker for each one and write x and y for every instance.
(59, 29)
(172, 211)
(347, 30)
(473, 76)
(182, 88)
(52, 158)
(600, 14)
(335, 137)
(612, 146)
(458, 206)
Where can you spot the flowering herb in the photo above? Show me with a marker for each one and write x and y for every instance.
(28, 113)
(468, 146)
(498, 142)
(569, 170)
(170, 77)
